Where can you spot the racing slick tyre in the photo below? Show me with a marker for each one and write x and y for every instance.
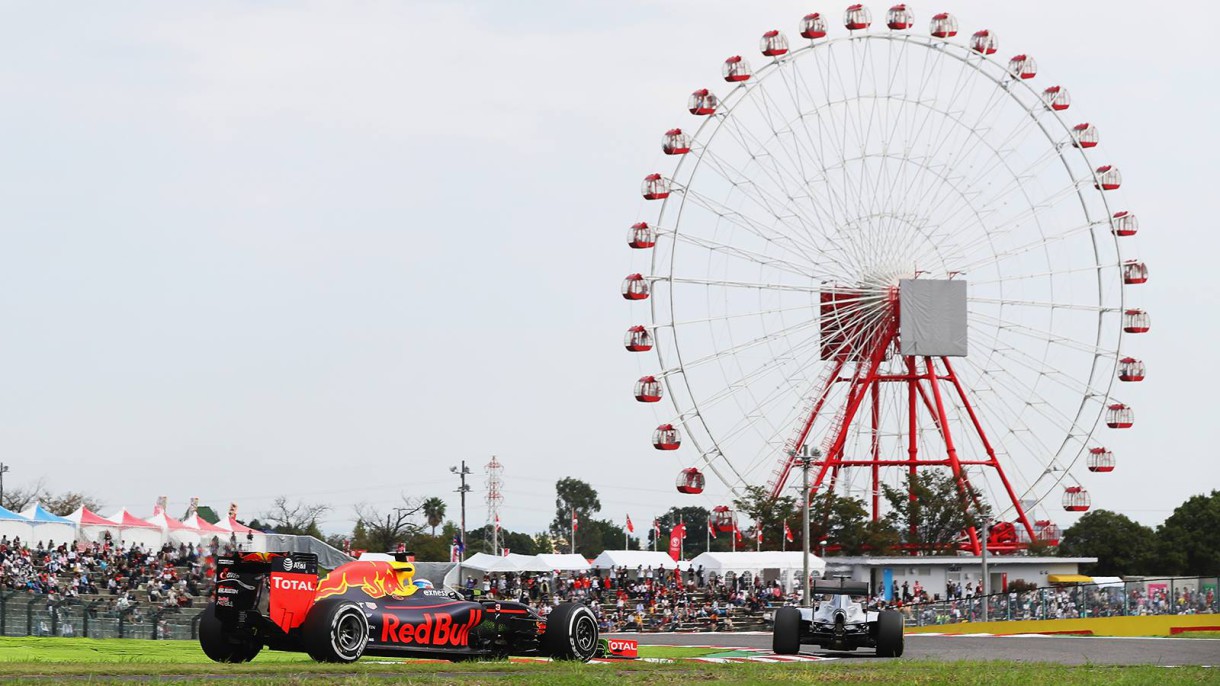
(571, 633)
(786, 636)
(217, 646)
(889, 634)
(335, 630)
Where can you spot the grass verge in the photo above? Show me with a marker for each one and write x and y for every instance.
(89, 661)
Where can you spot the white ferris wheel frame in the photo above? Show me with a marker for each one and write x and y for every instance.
(1050, 123)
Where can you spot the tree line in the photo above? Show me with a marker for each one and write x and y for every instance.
(931, 522)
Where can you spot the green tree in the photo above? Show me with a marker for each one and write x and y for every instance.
(1190, 538)
(695, 519)
(769, 513)
(933, 511)
(434, 512)
(597, 535)
(1122, 547)
(573, 495)
(479, 541)
(845, 526)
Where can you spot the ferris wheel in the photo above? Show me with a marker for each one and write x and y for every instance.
(893, 252)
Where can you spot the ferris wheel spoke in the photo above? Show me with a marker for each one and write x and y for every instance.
(801, 270)
(738, 348)
(1040, 243)
(1033, 303)
(756, 228)
(795, 155)
(727, 317)
(1092, 268)
(742, 183)
(1043, 370)
(739, 383)
(1073, 434)
(1040, 335)
(808, 146)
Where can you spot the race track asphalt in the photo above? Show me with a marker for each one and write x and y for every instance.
(1072, 650)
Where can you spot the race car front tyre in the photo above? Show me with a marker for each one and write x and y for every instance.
(786, 636)
(335, 630)
(217, 645)
(571, 633)
(889, 634)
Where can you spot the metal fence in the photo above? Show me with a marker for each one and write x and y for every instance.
(1163, 596)
(27, 614)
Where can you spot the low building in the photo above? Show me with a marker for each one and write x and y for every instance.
(935, 574)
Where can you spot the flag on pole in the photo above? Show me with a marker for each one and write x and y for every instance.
(630, 528)
(497, 522)
(737, 533)
(758, 532)
(656, 527)
(503, 552)
(711, 530)
(575, 521)
(788, 532)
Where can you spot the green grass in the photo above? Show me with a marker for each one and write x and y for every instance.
(1198, 634)
(75, 661)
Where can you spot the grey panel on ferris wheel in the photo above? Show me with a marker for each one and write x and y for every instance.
(932, 317)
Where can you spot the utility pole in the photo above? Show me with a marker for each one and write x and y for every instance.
(3, 469)
(806, 458)
(985, 582)
(573, 530)
(463, 490)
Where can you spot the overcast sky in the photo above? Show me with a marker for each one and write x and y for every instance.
(329, 249)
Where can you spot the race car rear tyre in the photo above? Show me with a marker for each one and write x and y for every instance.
(571, 633)
(217, 645)
(786, 636)
(335, 630)
(889, 634)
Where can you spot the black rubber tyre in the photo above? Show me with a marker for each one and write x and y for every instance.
(889, 634)
(216, 644)
(571, 633)
(786, 636)
(335, 630)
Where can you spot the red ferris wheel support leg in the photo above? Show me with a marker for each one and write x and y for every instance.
(875, 390)
(855, 395)
(913, 389)
(978, 427)
(954, 464)
(781, 477)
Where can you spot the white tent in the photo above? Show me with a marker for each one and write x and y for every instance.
(173, 530)
(635, 559)
(771, 565)
(565, 562)
(137, 532)
(528, 563)
(49, 527)
(248, 540)
(13, 526)
(92, 527)
(482, 562)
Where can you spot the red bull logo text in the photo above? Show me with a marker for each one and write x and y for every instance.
(436, 630)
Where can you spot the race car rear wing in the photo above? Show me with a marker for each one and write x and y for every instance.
(840, 587)
(279, 586)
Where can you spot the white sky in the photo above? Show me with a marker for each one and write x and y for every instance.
(329, 249)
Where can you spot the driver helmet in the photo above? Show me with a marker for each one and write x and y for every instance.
(423, 583)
